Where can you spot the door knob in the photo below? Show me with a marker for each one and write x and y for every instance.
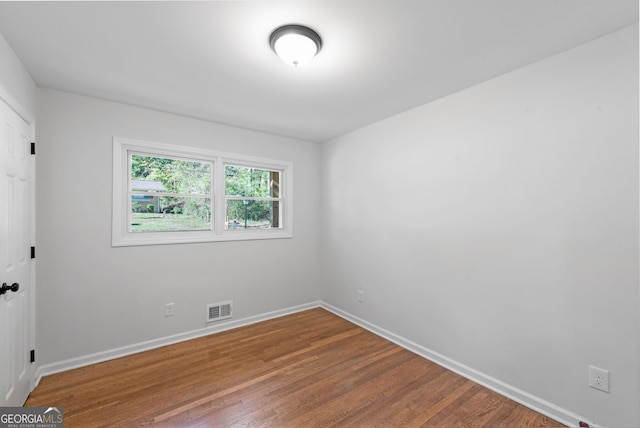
(13, 287)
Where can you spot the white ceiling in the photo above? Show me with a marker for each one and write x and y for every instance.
(212, 60)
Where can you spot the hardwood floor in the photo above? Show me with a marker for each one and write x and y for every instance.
(307, 369)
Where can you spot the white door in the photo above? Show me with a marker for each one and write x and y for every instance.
(16, 309)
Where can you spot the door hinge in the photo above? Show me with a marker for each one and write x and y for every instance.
(32, 356)
(33, 252)
(33, 148)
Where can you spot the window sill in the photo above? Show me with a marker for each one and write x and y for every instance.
(150, 238)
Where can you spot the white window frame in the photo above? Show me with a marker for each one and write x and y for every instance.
(122, 236)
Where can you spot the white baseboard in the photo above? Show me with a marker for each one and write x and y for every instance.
(99, 357)
(531, 401)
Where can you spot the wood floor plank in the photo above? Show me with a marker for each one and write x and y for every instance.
(310, 369)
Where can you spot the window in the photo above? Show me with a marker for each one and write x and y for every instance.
(169, 194)
(166, 194)
(252, 197)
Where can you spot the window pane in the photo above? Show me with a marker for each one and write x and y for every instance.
(246, 214)
(170, 214)
(251, 182)
(158, 174)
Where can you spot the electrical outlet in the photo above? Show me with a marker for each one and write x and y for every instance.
(599, 379)
(361, 296)
(168, 310)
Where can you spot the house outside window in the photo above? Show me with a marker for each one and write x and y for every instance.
(146, 202)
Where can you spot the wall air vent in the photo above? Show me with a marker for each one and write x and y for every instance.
(219, 311)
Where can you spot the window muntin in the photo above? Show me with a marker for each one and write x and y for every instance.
(252, 198)
(139, 189)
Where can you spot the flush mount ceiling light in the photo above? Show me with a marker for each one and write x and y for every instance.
(295, 44)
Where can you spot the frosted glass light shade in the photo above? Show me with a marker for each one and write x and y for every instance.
(295, 49)
(295, 45)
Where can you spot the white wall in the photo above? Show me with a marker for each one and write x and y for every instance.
(499, 227)
(15, 81)
(94, 298)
